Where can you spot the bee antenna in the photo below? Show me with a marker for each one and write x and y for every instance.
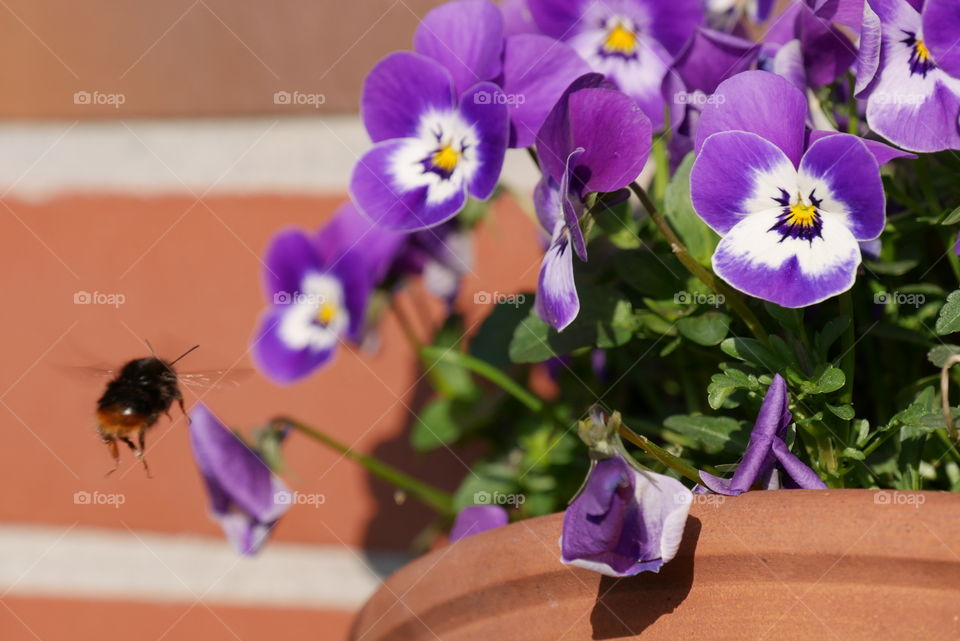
(184, 354)
(150, 347)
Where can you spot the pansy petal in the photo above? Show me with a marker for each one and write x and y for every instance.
(557, 302)
(868, 53)
(941, 33)
(758, 102)
(846, 179)
(788, 62)
(289, 256)
(711, 56)
(350, 234)
(882, 152)
(737, 174)
(491, 125)
(796, 469)
(398, 90)
(517, 18)
(828, 52)
(670, 23)
(615, 136)
(546, 203)
(276, 358)
(475, 519)
(845, 12)
(555, 139)
(466, 37)
(536, 71)
(792, 272)
(388, 186)
(557, 18)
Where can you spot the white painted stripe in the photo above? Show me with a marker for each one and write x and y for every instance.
(106, 564)
(309, 156)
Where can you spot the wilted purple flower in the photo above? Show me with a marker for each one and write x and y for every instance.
(790, 219)
(632, 42)
(246, 498)
(909, 72)
(441, 254)
(318, 289)
(624, 520)
(432, 148)
(767, 456)
(595, 139)
(476, 519)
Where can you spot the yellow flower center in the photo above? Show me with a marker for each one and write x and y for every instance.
(621, 40)
(923, 54)
(446, 158)
(802, 215)
(326, 313)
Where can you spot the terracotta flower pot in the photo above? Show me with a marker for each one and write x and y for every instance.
(824, 564)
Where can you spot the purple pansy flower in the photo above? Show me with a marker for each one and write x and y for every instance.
(624, 520)
(632, 42)
(790, 217)
(432, 149)
(595, 139)
(768, 461)
(246, 498)
(319, 288)
(476, 519)
(909, 72)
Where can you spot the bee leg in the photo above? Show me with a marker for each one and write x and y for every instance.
(182, 409)
(136, 452)
(114, 452)
(141, 454)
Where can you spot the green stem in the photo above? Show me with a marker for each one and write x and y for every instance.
(487, 371)
(674, 463)
(704, 275)
(427, 494)
(661, 164)
(848, 361)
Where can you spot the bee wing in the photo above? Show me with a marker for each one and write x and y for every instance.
(90, 371)
(214, 378)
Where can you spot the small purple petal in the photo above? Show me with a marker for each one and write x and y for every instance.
(797, 470)
(466, 37)
(276, 358)
(398, 90)
(289, 256)
(517, 18)
(557, 302)
(868, 53)
(758, 102)
(476, 519)
(555, 139)
(711, 57)
(881, 151)
(558, 19)
(827, 51)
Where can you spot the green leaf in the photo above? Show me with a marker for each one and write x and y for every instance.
(619, 224)
(706, 329)
(457, 382)
(844, 412)
(435, 426)
(492, 341)
(790, 319)
(724, 384)
(833, 330)
(952, 218)
(941, 353)
(606, 319)
(754, 352)
(830, 380)
(700, 240)
(712, 433)
(852, 454)
(949, 320)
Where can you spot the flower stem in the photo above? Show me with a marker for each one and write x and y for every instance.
(487, 371)
(674, 463)
(704, 275)
(439, 383)
(661, 163)
(427, 494)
